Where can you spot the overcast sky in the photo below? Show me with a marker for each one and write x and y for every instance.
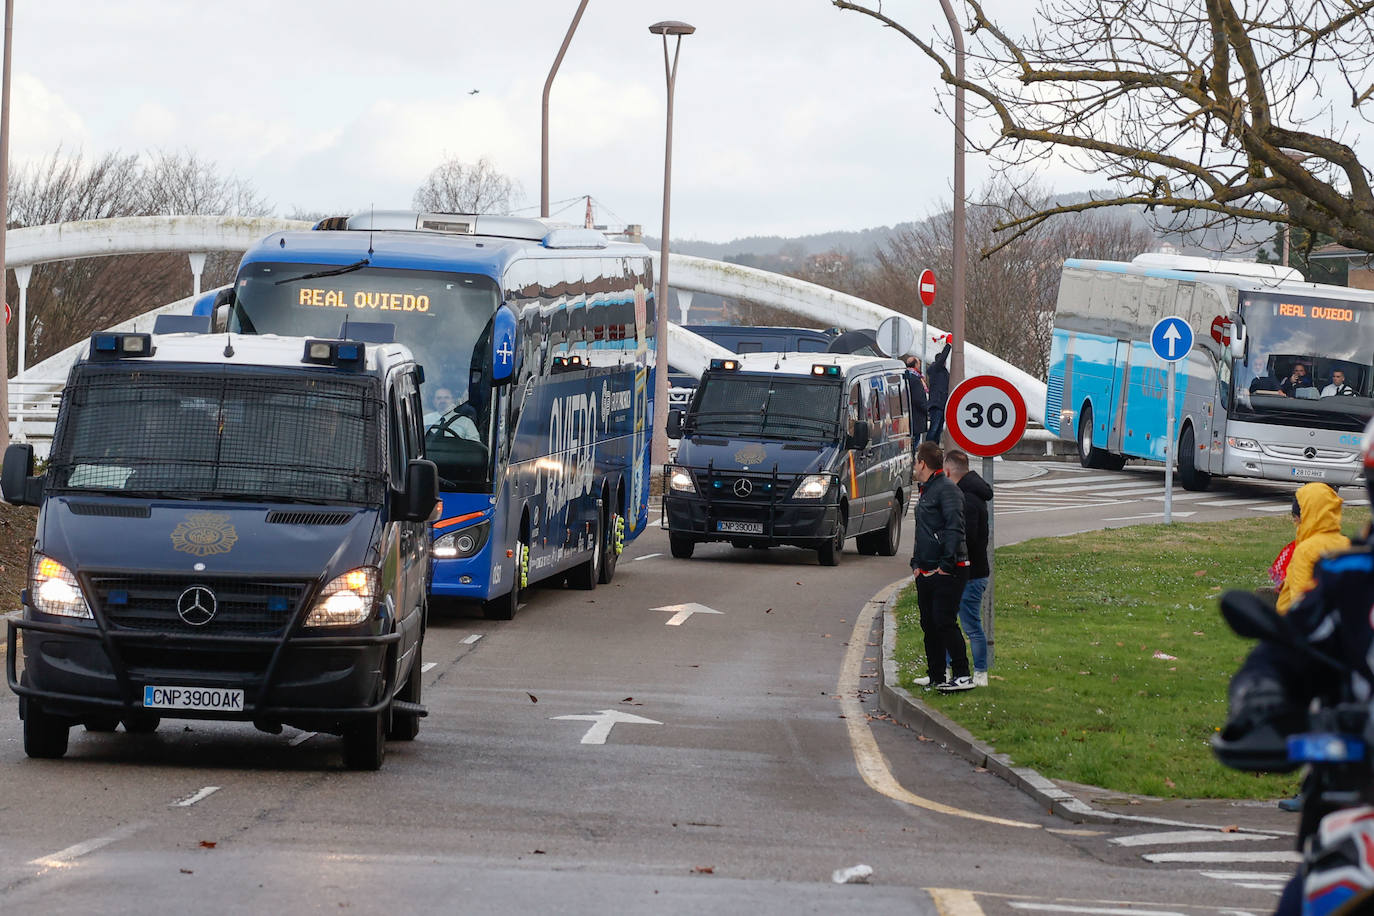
(792, 117)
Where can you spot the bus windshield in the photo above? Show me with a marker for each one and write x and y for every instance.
(1306, 356)
(288, 437)
(444, 318)
(767, 406)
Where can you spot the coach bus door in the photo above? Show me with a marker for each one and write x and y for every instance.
(1121, 381)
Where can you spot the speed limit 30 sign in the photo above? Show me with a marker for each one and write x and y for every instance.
(986, 415)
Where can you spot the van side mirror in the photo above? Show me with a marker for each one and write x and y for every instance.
(859, 437)
(674, 424)
(20, 487)
(421, 492)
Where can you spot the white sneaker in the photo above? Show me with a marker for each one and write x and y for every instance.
(980, 679)
(959, 683)
(922, 682)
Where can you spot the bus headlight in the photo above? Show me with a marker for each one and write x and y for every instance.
(55, 590)
(812, 486)
(346, 600)
(460, 544)
(1249, 445)
(681, 481)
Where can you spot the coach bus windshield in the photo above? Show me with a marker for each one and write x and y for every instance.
(1307, 360)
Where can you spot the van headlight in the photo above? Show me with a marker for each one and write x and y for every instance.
(54, 590)
(812, 486)
(346, 600)
(460, 544)
(680, 479)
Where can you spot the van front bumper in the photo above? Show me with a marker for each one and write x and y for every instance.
(82, 669)
(801, 523)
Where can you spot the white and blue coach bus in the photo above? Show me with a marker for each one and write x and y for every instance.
(537, 343)
(1277, 386)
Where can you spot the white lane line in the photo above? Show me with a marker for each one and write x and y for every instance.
(1097, 488)
(1170, 837)
(472, 639)
(1178, 496)
(1131, 518)
(428, 666)
(1221, 858)
(645, 557)
(1246, 875)
(63, 858)
(1287, 508)
(1234, 502)
(302, 738)
(1255, 886)
(1102, 910)
(1022, 484)
(190, 800)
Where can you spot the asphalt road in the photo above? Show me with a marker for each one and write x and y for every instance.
(748, 786)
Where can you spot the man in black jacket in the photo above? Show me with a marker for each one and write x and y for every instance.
(937, 380)
(940, 565)
(977, 494)
(916, 394)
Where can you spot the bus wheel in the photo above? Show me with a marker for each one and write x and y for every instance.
(586, 574)
(504, 607)
(613, 535)
(45, 735)
(365, 742)
(1087, 455)
(681, 546)
(1188, 474)
(830, 552)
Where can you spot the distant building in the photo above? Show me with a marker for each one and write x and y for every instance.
(1359, 265)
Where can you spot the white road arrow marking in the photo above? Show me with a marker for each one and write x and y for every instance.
(604, 721)
(681, 612)
(1173, 337)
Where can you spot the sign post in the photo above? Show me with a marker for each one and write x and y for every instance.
(925, 286)
(1172, 340)
(986, 416)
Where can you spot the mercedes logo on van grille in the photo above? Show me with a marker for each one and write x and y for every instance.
(743, 488)
(1309, 453)
(196, 605)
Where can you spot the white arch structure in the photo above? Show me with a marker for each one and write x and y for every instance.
(33, 390)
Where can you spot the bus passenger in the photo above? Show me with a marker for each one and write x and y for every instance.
(1298, 379)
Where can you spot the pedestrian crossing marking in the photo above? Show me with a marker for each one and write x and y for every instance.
(1220, 857)
(1189, 836)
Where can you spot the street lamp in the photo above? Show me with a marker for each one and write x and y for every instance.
(544, 122)
(956, 369)
(660, 440)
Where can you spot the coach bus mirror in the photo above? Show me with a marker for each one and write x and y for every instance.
(20, 487)
(1237, 341)
(502, 346)
(859, 437)
(674, 424)
(223, 304)
(421, 493)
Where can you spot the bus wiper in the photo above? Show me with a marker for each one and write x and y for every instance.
(334, 272)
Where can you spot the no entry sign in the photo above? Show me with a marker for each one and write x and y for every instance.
(925, 283)
(986, 415)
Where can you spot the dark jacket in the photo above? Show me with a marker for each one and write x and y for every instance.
(939, 526)
(977, 494)
(916, 392)
(938, 378)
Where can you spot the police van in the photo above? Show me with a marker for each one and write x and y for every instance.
(230, 527)
(804, 449)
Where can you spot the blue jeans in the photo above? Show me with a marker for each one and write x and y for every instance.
(971, 619)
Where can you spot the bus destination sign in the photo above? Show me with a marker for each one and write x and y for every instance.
(316, 297)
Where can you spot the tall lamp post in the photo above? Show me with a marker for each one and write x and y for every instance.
(956, 369)
(4, 218)
(660, 440)
(544, 121)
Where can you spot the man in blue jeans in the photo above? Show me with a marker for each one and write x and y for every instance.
(977, 494)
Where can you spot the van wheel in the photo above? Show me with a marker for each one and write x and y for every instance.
(406, 725)
(503, 607)
(890, 538)
(613, 542)
(830, 552)
(681, 546)
(142, 724)
(103, 724)
(45, 735)
(1188, 474)
(585, 575)
(365, 742)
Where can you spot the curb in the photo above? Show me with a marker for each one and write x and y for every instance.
(899, 703)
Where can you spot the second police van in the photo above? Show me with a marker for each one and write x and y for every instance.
(800, 449)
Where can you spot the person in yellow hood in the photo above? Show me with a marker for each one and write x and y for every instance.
(1319, 533)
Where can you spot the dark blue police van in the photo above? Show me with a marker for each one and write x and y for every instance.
(802, 449)
(230, 527)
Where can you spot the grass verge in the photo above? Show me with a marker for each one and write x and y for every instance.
(1112, 660)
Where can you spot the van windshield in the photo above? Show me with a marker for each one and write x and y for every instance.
(767, 407)
(223, 433)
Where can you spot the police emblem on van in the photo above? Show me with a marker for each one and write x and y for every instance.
(203, 534)
(751, 454)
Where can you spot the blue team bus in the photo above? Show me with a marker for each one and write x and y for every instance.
(537, 343)
(1279, 383)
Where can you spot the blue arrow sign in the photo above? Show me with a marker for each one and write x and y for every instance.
(1171, 339)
